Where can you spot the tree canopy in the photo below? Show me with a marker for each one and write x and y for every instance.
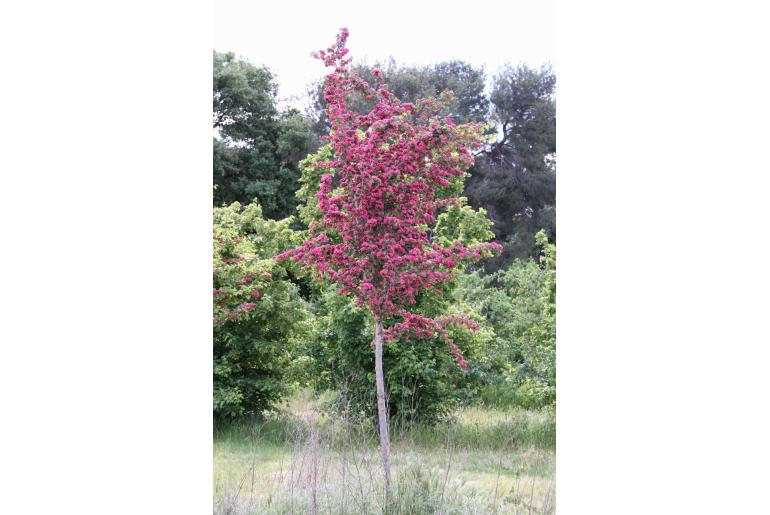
(515, 178)
(256, 147)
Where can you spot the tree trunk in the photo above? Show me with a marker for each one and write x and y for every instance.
(381, 406)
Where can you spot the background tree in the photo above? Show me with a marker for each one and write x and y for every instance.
(409, 83)
(515, 178)
(256, 148)
(396, 166)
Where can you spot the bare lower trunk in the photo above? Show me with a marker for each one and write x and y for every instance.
(381, 407)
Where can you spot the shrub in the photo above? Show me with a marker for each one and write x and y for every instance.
(258, 313)
(423, 381)
(519, 305)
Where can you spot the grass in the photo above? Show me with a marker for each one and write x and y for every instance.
(300, 460)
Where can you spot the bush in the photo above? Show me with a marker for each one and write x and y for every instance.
(519, 306)
(258, 313)
(423, 380)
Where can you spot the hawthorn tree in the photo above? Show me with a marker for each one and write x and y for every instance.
(394, 169)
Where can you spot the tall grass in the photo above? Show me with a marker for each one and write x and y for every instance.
(305, 460)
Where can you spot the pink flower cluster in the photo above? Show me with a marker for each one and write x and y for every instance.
(391, 164)
(236, 290)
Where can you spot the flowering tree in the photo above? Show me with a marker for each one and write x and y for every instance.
(395, 168)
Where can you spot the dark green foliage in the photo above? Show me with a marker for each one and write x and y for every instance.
(253, 350)
(251, 356)
(515, 178)
(257, 149)
(244, 99)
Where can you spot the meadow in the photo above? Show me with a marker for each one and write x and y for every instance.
(300, 458)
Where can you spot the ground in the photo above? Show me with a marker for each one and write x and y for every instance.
(300, 460)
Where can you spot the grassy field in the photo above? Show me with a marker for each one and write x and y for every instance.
(299, 460)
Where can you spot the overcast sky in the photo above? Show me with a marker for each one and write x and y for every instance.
(282, 34)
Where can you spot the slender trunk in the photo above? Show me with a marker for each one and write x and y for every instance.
(381, 407)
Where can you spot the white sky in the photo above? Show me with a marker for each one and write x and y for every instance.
(281, 34)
